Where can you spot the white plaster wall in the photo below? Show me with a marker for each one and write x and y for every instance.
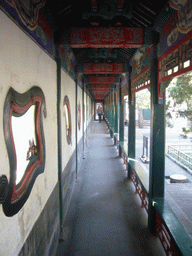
(24, 64)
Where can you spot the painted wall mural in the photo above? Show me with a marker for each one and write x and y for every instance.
(184, 12)
(140, 76)
(177, 26)
(28, 15)
(140, 61)
(68, 61)
(28, 11)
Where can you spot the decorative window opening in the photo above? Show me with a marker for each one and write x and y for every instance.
(23, 131)
(169, 72)
(67, 114)
(79, 116)
(176, 69)
(186, 64)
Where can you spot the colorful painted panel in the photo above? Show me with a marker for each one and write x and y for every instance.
(184, 9)
(177, 60)
(68, 60)
(102, 80)
(140, 61)
(106, 37)
(142, 80)
(102, 68)
(28, 15)
(178, 25)
(124, 90)
(124, 80)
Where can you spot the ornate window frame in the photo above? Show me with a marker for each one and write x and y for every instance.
(79, 116)
(17, 104)
(68, 129)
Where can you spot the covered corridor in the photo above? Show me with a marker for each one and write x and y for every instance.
(105, 215)
(68, 182)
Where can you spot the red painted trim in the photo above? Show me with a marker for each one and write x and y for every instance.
(102, 68)
(102, 80)
(141, 88)
(69, 115)
(178, 73)
(79, 117)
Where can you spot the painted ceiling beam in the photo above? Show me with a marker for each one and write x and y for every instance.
(111, 37)
(120, 4)
(104, 37)
(103, 68)
(102, 79)
(94, 5)
(100, 89)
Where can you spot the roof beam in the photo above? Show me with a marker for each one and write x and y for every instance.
(102, 79)
(111, 37)
(103, 68)
(120, 5)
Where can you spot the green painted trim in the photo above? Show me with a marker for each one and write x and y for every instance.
(121, 115)
(131, 127)
(157, 140)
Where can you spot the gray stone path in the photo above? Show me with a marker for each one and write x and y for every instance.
(105, 215)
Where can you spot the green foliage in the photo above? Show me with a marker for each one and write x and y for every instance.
(143, 99)
(181, 92)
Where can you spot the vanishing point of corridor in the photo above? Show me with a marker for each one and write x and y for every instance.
(105, 215)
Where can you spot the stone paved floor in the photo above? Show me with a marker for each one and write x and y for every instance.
(105, 215)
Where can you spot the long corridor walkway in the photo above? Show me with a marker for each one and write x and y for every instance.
(105, 215)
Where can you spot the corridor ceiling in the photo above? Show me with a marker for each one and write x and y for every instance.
(102, 14)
